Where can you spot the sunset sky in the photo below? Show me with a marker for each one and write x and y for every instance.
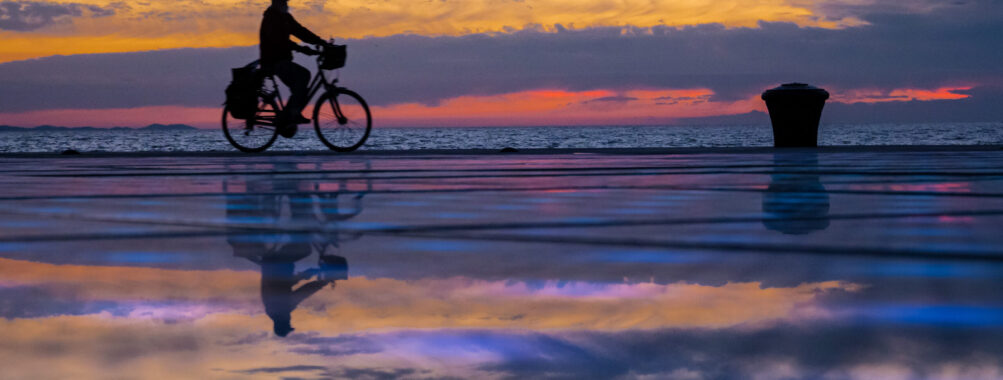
(514, 62)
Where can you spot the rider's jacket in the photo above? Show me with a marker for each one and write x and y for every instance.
(276, 27)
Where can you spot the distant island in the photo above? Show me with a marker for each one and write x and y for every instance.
(50, 128)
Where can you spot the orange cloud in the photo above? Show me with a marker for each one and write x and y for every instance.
(130, 283)
(559, 107)
(144, 25)
(19, 46)
(900, 95)
(534, 107)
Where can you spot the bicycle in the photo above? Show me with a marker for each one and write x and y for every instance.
(341, 117)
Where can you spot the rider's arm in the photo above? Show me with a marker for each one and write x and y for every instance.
(301, 48)
(302, 33)
(307, 274)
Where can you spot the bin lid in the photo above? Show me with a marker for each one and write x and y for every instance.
(796, 89)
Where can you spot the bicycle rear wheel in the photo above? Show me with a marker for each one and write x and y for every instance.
(342, 120)
(255, 134)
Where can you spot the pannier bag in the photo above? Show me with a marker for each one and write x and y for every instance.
(333, 57)
(242, 93)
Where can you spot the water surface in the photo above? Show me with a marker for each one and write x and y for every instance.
(703, 266)
(521, 137)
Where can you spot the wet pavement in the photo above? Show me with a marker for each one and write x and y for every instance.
(724, 265)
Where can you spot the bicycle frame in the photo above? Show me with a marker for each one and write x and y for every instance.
(318, 82)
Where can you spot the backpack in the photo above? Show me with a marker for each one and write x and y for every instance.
(242, 92)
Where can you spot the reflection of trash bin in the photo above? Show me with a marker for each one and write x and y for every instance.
(795, 110)
(796, 206)
(795, 202)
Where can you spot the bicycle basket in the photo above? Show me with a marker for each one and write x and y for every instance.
(333, 57)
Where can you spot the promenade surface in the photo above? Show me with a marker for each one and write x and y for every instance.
(760, 263)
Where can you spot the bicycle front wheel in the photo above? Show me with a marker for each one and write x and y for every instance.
(342, 120)
(255, 134)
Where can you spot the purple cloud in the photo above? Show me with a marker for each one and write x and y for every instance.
(22, 16)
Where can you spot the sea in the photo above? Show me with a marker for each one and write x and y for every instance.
(211, 140)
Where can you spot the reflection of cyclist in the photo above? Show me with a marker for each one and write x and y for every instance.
(278, 254)
(253, 217)
(278, 280)
(277, 57)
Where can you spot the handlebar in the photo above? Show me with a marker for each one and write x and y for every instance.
(331, 56)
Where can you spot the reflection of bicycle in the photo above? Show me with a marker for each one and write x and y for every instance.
(276, 224)
(334, 209)
(341, 117)
(319, 208)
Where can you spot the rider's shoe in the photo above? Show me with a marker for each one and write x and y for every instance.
(288, 128)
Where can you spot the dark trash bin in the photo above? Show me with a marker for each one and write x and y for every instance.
(795, 110)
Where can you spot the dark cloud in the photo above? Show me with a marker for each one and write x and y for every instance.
(333, 346)
(191, 77)
(952, 46)
(341, 372)
(613, 99)
(292, 368)
(31, 15)
(38, 301)
(376, 374)
(896, 51)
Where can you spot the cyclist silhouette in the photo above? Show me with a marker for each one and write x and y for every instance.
(277, 58)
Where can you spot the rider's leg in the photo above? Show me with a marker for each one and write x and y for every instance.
(297, 78)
